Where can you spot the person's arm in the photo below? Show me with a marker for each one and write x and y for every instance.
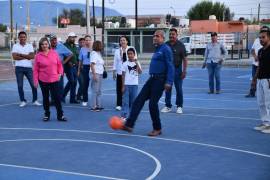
(93, 69)
(206, 52)
(29, 56)
(123, 81)
(170, 68)
(116, 54)
(60, 69)
(254, 79)
(223, 53)
(253, 53)
(139, 68)
(36, 72)
(185, 64)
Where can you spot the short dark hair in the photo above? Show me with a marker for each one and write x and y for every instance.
(174, 29)
(22, 32)
(81, 39)
(213, 34)
(97, 46)
(41, 41)
(131, 49)
(265, 29)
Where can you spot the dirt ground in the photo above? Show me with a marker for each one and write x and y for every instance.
(7, 72)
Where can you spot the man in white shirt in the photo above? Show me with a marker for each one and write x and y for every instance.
(254, 52)
(23, 53)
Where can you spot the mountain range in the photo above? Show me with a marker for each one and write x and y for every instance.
(42, 12)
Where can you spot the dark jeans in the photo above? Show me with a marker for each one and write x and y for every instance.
(71, 73)
(178, 88)
(119, 90)
(86, 79)
(81, 84)
(20, 73)
(252, 91)
(53, 89)
(214, 73)
(152, 90)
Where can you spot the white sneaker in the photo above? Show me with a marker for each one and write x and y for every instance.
(266, 130)
(84, 104)
(166, 109)
(36, 103)
(22, 104)
(118, 108)
(179, 110)
(261, 127)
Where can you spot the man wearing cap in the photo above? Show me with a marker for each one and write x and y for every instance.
(65, 55)
(262, 80)
(214, 55)
(71, 68)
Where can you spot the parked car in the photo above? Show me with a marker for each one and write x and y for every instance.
(109, 49)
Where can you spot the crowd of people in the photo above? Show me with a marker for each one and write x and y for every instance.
(84, 64)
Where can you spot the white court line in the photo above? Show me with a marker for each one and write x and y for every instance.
(208, 99)
(8, 104)
(145, 137)
(57, 171)
(247, 76)
(152, 176)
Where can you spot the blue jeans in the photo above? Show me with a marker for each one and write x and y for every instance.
(178, 88)
(214, 73)
(152, 91)
(86, 79)
(81, 84)
(129, 95)
(20, 73)
(71, 73)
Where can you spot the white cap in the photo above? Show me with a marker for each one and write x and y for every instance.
(72, 34)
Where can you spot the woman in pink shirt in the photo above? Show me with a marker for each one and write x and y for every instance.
(47, 71)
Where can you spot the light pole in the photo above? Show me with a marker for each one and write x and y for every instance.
(173, 10)
(87, 17)
(28, 16)
(11, 21)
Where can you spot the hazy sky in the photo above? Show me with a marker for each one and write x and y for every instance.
(247, 8)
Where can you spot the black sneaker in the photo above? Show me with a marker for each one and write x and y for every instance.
(249, 95)
(63, 118)
(96, 109)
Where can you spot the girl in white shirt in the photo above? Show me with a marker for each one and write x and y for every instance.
(97, 68)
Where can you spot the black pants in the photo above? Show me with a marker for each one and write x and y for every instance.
(152, 90)
(119, 90)
(53, 89)
(86, 79)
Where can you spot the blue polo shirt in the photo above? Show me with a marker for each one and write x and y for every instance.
(62, 51)
(162, 62)
(84, 56)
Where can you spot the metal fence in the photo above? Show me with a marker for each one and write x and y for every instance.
(239, 48)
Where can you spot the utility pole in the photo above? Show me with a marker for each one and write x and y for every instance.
(259, 9)
(94, 19)
(28, 17)
(103, 19)
(136, 14)
(11, 21)
(87, 17)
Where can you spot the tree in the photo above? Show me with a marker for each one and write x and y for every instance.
(202, 11)
(76, 17)
(3, 28)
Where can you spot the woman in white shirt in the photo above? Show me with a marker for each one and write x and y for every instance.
(97, 68)
(120, 56)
